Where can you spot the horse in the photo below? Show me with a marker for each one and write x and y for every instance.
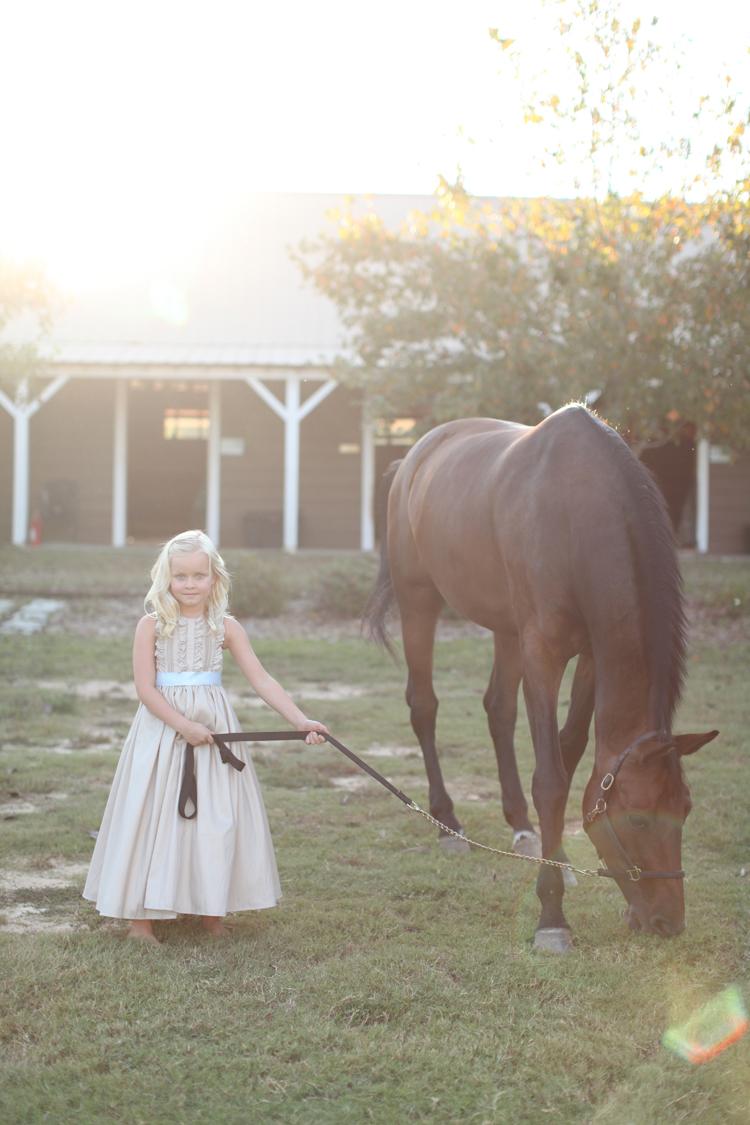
(556, 539)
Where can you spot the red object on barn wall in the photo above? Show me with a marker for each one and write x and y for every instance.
(35, 530)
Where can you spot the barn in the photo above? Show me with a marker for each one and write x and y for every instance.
(204, 396)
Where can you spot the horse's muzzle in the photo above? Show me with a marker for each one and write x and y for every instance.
(655, 923)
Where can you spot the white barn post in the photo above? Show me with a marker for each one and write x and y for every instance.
(703, 474)
(213, 463)
(120, 466)
(367, 486)
(291, 464)
(291, 412)
(20, 477)
(21, 411)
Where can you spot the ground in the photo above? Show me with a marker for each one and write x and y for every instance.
(393, 982)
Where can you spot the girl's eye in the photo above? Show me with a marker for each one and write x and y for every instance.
(638, 821)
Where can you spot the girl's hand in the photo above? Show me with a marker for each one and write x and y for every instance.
(196, 734)
(317, 730)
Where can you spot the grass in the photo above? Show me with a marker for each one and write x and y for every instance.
(393, 983)
(72, 571)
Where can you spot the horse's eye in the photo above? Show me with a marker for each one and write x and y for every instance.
(638, 821)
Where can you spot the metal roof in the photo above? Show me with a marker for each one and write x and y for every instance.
(234, 297)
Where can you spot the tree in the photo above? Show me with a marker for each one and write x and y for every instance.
(516, 307)
(26, 303)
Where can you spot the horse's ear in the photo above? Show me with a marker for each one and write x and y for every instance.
(688, 743)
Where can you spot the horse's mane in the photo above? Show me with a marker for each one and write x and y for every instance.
(649, 529)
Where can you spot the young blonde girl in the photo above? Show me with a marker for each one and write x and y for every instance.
(150, 862)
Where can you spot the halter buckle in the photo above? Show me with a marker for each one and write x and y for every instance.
(607, 782)
(599, 808)
(634, 874)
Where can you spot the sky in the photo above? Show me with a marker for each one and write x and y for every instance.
(125, 125)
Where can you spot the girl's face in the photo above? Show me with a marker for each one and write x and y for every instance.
(191, 581)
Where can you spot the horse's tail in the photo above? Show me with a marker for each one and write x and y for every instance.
(382, 595)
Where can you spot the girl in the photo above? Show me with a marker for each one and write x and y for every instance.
(150, 861)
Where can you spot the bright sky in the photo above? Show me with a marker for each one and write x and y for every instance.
(126, 124)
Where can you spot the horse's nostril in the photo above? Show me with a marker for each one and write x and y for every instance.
(663, 927)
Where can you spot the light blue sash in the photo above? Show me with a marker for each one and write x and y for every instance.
(188, 679)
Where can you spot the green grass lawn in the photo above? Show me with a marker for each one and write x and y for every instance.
(394, 982)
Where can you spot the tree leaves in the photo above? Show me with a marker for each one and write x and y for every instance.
(26, 307)
(477, 309)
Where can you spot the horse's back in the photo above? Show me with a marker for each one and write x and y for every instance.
(438, 506)
(497, 514)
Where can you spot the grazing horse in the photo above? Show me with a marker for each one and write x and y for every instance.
(556, 539)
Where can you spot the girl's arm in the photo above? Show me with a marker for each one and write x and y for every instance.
(270, 691)
(144, 675)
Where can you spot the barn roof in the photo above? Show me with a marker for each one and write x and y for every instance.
(232, 297)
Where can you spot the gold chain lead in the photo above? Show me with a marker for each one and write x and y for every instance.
(498, 851)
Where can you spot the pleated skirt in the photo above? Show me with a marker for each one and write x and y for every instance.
(149, 862)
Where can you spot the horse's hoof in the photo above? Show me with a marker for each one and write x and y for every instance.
(527, 843)
(569, 878)
(453, 845)
(556, 939)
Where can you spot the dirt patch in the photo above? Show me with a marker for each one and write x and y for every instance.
(58, 874)
(353, 783)
(91, 689)
(375, 750)
(16, 808)
(98, 617)
(32, 617)
(328, 692)
(26, 917)
(414, 787)
(83, 744)
(9, 810)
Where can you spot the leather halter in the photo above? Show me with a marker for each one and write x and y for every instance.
(597, 824)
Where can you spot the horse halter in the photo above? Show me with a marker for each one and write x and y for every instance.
(597, 824)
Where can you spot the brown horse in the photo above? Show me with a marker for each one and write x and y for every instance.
(556, 539)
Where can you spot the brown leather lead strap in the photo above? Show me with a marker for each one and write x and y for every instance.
(300, 736)
(189, 789)
(226, 754)
(189, 785)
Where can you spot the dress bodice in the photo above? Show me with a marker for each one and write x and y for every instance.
(192, 647)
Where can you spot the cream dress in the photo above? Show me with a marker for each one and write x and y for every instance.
(149, 862)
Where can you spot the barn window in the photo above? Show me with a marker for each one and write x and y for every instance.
(185, 424)
(395, 431)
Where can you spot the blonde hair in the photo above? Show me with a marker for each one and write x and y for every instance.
(162, 604)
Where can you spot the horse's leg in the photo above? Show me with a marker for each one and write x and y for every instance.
(575, 734)
(543, 668)
(419, 615)
(501, 705)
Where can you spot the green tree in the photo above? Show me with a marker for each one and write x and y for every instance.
(513, 308)
(26, 309)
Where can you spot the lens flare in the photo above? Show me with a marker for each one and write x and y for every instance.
(715, 1026)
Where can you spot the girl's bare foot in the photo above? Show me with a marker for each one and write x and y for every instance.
(142, 930)
(215, 926)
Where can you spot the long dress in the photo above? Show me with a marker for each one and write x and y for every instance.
(149, 862)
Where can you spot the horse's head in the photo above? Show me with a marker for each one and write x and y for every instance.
(634, 816)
